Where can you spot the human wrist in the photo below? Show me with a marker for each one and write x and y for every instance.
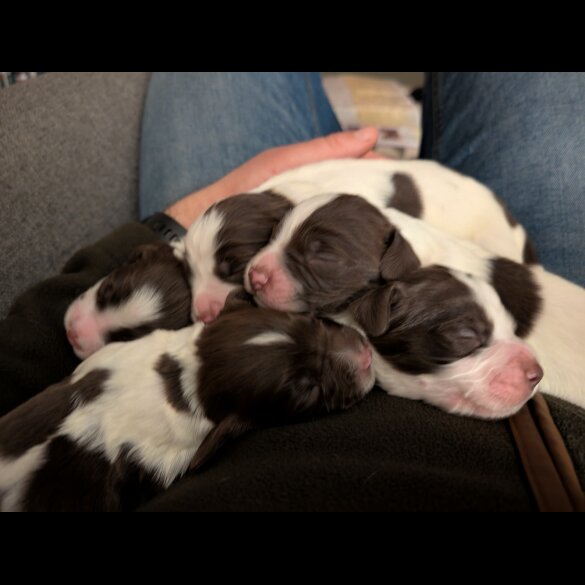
(192, 206)
(165, 226)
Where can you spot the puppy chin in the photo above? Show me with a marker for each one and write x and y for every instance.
(290, 305)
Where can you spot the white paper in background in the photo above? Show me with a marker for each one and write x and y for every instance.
(360, 100)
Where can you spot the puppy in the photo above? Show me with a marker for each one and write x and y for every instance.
(150, 291)
(475, 347)
(219, 245)
(444, 337)
(134, 416)
(331, 247)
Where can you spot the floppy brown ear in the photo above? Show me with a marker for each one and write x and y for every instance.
(373, 310)
(228, 429)
(147, 251)
(399, 258)
(238, 299)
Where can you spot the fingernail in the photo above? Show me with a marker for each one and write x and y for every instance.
(364, 134)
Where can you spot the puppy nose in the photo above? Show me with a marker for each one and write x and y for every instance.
(534, 374)
(209, 312)
(258, 278)
(365, 358)
(72, 336)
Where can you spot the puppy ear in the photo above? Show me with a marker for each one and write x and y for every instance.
(399, 258)
(374, 309)
(238, 299)
(147, 251)
(229, 428)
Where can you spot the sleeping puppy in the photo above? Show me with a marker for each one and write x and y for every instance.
(150, 291)
(444, 337)
(135, 416)
(219, 245)
(332, 247)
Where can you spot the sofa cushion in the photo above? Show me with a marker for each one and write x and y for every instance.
(68, 168)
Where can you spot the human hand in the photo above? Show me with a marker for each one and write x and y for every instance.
(272, 162)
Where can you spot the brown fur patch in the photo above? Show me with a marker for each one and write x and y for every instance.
(153, 265)
(249, 220)
(529, 254)
(406, 196)
(518, 291)
(277, 382)
(86, 481)
(424, 321)
(34, 421)
(336, 251)
(170, 371)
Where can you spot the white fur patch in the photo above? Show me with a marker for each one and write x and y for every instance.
(201, 245)
(269, 338)
(14, 474)
(558, 337)
(143, 305)
(133, 409)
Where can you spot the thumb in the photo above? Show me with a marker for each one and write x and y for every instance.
(348, 144)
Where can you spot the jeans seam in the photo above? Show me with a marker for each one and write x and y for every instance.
(437, 116)
(312, 107)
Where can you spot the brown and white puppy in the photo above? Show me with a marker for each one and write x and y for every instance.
(219, 245)
(135, 416)
(444, 337)
(477, 347)
(150, 291)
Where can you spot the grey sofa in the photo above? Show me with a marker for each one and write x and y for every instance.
(69, 147)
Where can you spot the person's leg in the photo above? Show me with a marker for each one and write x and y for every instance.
(199, 126)
(522, 134)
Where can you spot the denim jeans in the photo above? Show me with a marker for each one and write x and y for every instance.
(199, 126)
(523, 134)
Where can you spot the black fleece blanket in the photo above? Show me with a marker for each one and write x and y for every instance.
(384, 454)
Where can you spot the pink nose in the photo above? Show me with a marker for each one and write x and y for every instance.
(365, 358)
(207, 310)
(258, 278)
(72, 336)
(534, 374)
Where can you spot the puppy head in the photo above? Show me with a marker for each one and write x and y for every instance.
(220, 244)
(327, 249)
(426, 320)
(444, 337)
(261, 367)
(150, 291)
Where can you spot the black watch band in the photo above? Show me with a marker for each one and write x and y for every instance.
(166, 227)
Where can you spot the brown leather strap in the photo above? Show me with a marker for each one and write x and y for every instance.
(546, 461)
